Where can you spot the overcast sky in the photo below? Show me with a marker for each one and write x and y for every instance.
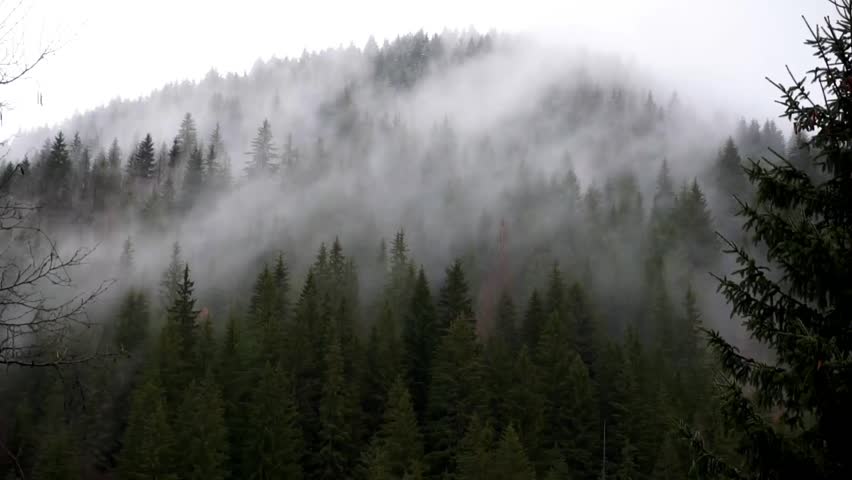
(717, 50)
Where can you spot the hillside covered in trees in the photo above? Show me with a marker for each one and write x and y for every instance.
(448, 256)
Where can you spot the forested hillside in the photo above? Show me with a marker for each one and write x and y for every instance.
(449, 256)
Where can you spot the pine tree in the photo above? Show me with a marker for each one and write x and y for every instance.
(217, 166)
(274, 447)
(143, 163)
(510, 461)
(132, 323)
(506, 325)
(57, 456)
(149, 449)
(534, 320)
(262, 152)
(588, 340)
(420, 336)
(729, 170)
(333, 460)
(798, 303)
(193, 180)
(200, 432)
(126, 260)
(289, 154)
(383, 365)
(171, 277)
(456, 393)
(398, 446)
(233, 378)
(664, 195)
(570, 411)
(454, 298)
(179, 361)
(475, 453)
(56, 177)
(187, 138)
(264, 316)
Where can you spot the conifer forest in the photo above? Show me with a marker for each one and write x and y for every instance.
(451, 255)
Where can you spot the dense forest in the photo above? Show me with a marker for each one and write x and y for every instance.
(448, 256)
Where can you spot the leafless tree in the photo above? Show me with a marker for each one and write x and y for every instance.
(41, 310)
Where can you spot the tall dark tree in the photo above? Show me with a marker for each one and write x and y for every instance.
(143, 163)
(798, 302)
(275, 446)
(200, 432)
(262, 152)
(149, 443)
(57, 176)
(454, 297)
(456, 393)
(420, 336)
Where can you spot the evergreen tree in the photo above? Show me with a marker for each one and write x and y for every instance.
(510, 461)
(171, 277)
(420, 336)
(798, 304)
(262, 152)
(534, 319)
(200, 432)
(456, 393)
(57, 178)
(193, 180)
(143, 163)
(187, 138)
(506, 328)
(731, 179)
(454, 298)
(265, 317)
(126, 260)
(333, 460)
(149, 449)
(397, 447)
(570, 412)
(132, 323)
(475, 453)
(179, 361)
(275, 447)
(289, 154)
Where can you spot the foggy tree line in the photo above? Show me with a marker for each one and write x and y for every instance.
(360, 364)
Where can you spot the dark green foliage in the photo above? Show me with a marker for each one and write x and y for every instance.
(420, 336)
(56, 177)
(200, 433)
(333, 459)
(274, 446)
(397, 449)
(569, 410)
(475, 452)
(510, 461)
(171, 277)
(179, 340)
(506, 328)
(534, 319)
(143, 164)
(132, 322)
(454, 298)
(731, 179)
(187, 138)
(262, 152)
(455, 394)
(149, 444)
(798, 301)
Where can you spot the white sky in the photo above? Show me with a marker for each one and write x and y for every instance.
(719, 50)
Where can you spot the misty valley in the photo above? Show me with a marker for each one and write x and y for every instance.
(455, 256)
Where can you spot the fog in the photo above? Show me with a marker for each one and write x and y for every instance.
(471, 143)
